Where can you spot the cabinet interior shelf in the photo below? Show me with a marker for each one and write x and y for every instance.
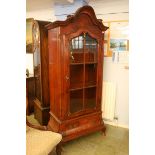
(74, 89)
(87, 63)
(76, 63)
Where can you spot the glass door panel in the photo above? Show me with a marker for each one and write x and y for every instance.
(76, 73)
(76, 76)
(83, 73)
(90, 74)
(90, 97)
(90, 49)
(76, 100)
(76, 50)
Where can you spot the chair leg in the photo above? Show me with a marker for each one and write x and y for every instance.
(58, 149)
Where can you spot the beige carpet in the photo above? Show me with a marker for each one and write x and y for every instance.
(116, 142)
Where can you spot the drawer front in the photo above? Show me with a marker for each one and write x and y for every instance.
(83, 123)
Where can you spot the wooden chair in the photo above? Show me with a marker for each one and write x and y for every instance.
(40, 141)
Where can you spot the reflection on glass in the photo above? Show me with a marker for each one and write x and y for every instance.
(90, 49)
(76, 101)
(76, 50)
(80, 41)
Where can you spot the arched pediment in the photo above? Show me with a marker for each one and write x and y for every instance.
(87, 10)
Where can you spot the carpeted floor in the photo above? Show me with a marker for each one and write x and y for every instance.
(116, 142)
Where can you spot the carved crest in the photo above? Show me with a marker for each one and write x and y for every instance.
(88, 10)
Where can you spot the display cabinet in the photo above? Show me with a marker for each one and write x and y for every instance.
(40, 55)
(75, 74)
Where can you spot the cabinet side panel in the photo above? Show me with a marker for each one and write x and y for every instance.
(54, 71)
(100, 72)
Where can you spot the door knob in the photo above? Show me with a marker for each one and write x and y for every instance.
(67, 78)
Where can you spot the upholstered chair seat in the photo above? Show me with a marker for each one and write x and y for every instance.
(40, 142)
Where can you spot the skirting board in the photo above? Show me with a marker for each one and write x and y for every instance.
(116, 124)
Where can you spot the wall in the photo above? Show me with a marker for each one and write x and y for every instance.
(29, 63)
(110, 10)
(61, 11)
(104, 9)
(43, 14)
(116, 73)
(113, 10)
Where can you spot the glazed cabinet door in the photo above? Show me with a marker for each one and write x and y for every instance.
(83, 62)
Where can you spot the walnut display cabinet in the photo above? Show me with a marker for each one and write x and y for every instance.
(75, 74)
(40, 55)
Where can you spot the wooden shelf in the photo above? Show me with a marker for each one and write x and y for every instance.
(91, 86)
(87, 63)
(76, 63)
(74, 89)
(85, 87)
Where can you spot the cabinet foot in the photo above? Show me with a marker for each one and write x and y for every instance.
(104, 130)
